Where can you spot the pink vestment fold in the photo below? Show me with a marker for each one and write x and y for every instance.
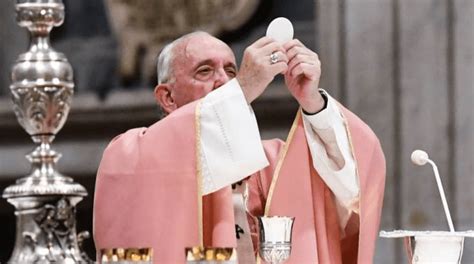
(146, 192)
(297, 190)
(146, 173)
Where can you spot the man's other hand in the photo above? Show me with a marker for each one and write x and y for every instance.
(302, 76)
(258, 70)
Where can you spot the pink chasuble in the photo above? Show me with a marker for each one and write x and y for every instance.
(291, 187)
(147, 192)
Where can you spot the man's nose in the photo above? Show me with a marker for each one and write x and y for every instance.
(221, 78)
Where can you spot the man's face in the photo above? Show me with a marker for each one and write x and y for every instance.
(202, 64)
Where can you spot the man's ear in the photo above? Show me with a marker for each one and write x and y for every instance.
(164, 97)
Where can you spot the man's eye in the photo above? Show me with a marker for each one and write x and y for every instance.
(231, 72)
(204, 71)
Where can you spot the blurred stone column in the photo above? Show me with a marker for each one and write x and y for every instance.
(13, 41)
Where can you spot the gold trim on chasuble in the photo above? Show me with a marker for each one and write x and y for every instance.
(283, 152)
(276, 173)
(197, 119)
(282, 156)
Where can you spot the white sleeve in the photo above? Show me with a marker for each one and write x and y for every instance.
(329, 145)
(231, 148)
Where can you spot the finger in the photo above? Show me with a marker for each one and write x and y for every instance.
(296, 71)
(270, 48)
(280, 55)
(292, 43)
(262, 42)
(279, 67)
(309, 71)
(300, 50)
(301, 58)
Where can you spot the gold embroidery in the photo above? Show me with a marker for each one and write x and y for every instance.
(281, 158)
(199, 171)
(276, 173)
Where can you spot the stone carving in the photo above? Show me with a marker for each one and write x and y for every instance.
(144, 26)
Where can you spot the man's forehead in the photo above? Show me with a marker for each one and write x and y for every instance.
(203, 45)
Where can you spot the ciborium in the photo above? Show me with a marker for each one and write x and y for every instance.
(275, 238)
(42, 88)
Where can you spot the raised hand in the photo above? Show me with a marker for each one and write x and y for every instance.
(302, 76)
(257, 69)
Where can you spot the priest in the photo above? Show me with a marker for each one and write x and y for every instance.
(168, 186)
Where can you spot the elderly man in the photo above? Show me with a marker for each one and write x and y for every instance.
(168, 186)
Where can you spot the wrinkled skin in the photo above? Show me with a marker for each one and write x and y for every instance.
(302, 76)
(203, 63)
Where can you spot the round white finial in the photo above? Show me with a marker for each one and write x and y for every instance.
(419, 157)
(281, 30)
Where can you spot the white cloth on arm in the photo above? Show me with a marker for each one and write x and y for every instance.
(328, 137)
(231, 147)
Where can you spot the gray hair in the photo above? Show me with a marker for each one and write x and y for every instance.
(164, 67)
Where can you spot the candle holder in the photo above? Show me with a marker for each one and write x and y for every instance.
(42, 88)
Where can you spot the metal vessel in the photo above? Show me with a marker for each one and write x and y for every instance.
(42, 88)
(275, 238)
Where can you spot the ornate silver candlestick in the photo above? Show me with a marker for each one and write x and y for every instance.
(42, 89)
(275, 238)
